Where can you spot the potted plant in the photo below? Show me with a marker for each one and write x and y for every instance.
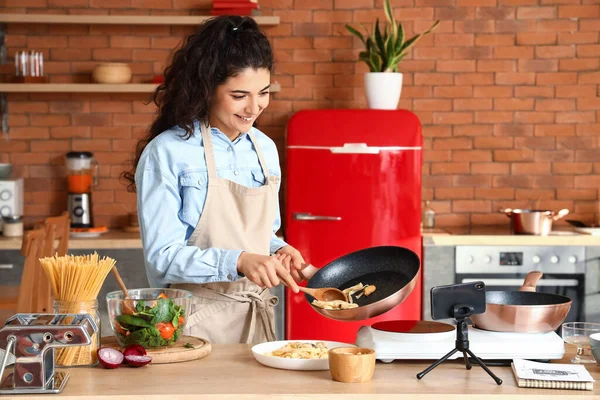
(383, 51)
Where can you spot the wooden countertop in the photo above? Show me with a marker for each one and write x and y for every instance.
(480, 235)
(500, 235)
(231, 372)
(114, 239)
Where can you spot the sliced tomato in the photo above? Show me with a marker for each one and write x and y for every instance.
(162, 296)
(181, 320)
(166, 329)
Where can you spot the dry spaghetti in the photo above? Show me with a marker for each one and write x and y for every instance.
(76, 282)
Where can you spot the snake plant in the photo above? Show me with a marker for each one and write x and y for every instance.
(384, 49)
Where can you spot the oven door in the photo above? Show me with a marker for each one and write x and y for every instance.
(570, 285)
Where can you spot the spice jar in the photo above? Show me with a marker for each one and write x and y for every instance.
(79, 355)
(12, 226)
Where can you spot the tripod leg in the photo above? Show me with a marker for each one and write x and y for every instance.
(467, 363)
(435, 364)
(478, 361)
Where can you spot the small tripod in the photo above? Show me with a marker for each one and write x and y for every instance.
(461, 313)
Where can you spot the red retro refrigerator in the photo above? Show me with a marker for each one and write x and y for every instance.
(353, 181)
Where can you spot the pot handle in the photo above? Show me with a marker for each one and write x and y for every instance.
(560, 214)
(531, 281)
(507, 211)
(307, 271)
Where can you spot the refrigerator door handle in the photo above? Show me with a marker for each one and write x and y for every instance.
(309, 217)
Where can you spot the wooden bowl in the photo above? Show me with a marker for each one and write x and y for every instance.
(112, 73)
(352, 364)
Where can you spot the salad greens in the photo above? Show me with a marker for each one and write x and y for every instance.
(154, 323)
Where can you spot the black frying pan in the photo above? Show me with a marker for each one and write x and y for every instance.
(393, 270)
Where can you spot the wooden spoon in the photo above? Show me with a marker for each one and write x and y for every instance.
(325, 294)
(128, 306)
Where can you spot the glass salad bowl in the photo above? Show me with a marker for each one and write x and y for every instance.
(150, 317)
(578, 333)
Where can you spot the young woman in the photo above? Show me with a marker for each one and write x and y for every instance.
(207, 183)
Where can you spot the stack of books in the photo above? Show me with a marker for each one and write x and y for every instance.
(234, 7)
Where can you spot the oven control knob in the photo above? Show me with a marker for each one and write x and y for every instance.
(536, 259)
(487, 259)
(554, 259)
(573, 259)
(470, 259)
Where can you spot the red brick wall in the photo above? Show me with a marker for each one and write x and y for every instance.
(508, 92)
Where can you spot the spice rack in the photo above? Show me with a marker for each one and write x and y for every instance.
(5, 19)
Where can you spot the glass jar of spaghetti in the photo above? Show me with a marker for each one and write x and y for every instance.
(78, 355)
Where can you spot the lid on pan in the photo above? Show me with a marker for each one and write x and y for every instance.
(412, 327)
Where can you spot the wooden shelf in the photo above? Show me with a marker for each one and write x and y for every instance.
(88, 88)
(265, 20)
(76, 88)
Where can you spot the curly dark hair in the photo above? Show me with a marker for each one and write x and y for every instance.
(222, 47)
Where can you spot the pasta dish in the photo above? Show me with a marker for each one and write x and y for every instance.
(306, 351)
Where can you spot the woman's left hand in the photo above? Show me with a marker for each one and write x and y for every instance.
(291, 259)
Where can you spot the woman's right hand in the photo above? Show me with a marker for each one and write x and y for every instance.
(265, 271)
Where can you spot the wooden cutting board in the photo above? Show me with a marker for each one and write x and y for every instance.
(176, 353)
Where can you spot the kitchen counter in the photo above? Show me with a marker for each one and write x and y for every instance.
(114, 239)
(501, 235)
(478, 235)
(230, 372)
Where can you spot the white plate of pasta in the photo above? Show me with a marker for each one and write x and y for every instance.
(302, 355)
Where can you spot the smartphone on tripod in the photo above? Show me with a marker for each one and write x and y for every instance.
(445, 298)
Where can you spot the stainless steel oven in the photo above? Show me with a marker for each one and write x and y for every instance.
(505, 267)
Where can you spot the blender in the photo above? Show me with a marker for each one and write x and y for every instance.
(82, 175)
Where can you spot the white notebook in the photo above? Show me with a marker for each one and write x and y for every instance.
(552, 376)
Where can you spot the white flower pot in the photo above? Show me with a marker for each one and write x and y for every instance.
(383, 89)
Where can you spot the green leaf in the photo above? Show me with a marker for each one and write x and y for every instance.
(132, 320)
(389, 48)
(176, 311)
(380, 43)
(389, 13)
(356, 33)
(364, 56)
(139, 307)
(411, 42)
(393, 65)
(161, 311)
(399, 39)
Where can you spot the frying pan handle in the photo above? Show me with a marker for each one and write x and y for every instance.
(562, 213)
(531, 281)
(307, 271)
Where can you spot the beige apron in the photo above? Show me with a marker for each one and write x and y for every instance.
(234, 217)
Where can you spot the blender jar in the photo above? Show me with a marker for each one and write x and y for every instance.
(82, 171)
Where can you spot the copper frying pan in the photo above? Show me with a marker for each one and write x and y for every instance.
(393, 270)
(523, 310)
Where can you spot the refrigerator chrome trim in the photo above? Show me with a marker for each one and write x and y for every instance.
(357, 148)
(308, 217)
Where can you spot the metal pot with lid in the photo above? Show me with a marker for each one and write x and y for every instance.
(533, 222)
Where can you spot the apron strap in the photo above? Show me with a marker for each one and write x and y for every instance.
(261, 159)
(261, 303)
(209, 153)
